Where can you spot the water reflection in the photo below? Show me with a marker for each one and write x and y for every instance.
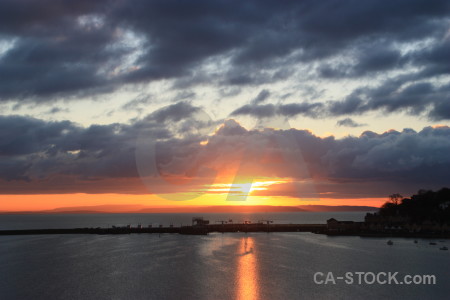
(247, 272)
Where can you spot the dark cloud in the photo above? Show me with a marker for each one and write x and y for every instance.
(138, 102)
(262, 96)
(52, 53)
(377, 60)
(14, 170)
(35, 154)
(306, 109)
(347, 122)
(31, 17)
(412, 96)
(256, 75)
(350, 105)
(432, 59)
(368, 59)
(259, 111)
(367, 165)
(174, 112)
(23, 135)
(286, 110)
(55, 110)
(397, 95)
(34, 150)
(61, 49)
(441, 110)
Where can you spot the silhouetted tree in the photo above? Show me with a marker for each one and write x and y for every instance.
(395, 198)
(425, 205)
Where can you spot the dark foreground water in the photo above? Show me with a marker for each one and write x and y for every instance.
(217, 266)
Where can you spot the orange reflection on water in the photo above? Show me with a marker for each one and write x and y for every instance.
(247, 271)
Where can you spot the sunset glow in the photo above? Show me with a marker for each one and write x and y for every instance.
(53, 201)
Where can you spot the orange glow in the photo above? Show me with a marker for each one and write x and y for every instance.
(48, 202)
(242, 188)
(246, 191)
(52, 201)
(247, 271)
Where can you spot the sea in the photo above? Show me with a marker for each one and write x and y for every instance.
(215, 266)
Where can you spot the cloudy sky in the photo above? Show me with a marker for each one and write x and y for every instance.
(272, 102)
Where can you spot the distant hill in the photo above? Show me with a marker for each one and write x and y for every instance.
(100, 208)
(318, 208)
(227, 209)
(199, 209)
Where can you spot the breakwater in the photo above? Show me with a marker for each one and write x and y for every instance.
(195, 230)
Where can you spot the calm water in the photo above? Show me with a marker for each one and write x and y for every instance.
(217, 266)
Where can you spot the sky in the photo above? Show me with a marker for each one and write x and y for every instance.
(185, 103)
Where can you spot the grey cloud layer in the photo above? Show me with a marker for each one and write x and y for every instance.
(33, 151)
(61, 49)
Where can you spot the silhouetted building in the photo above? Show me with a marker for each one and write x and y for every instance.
(335, 225)
(199, 221)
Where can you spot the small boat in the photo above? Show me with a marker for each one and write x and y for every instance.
(390, 243)
(432, 243)
(443, 248)
(415, 241)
